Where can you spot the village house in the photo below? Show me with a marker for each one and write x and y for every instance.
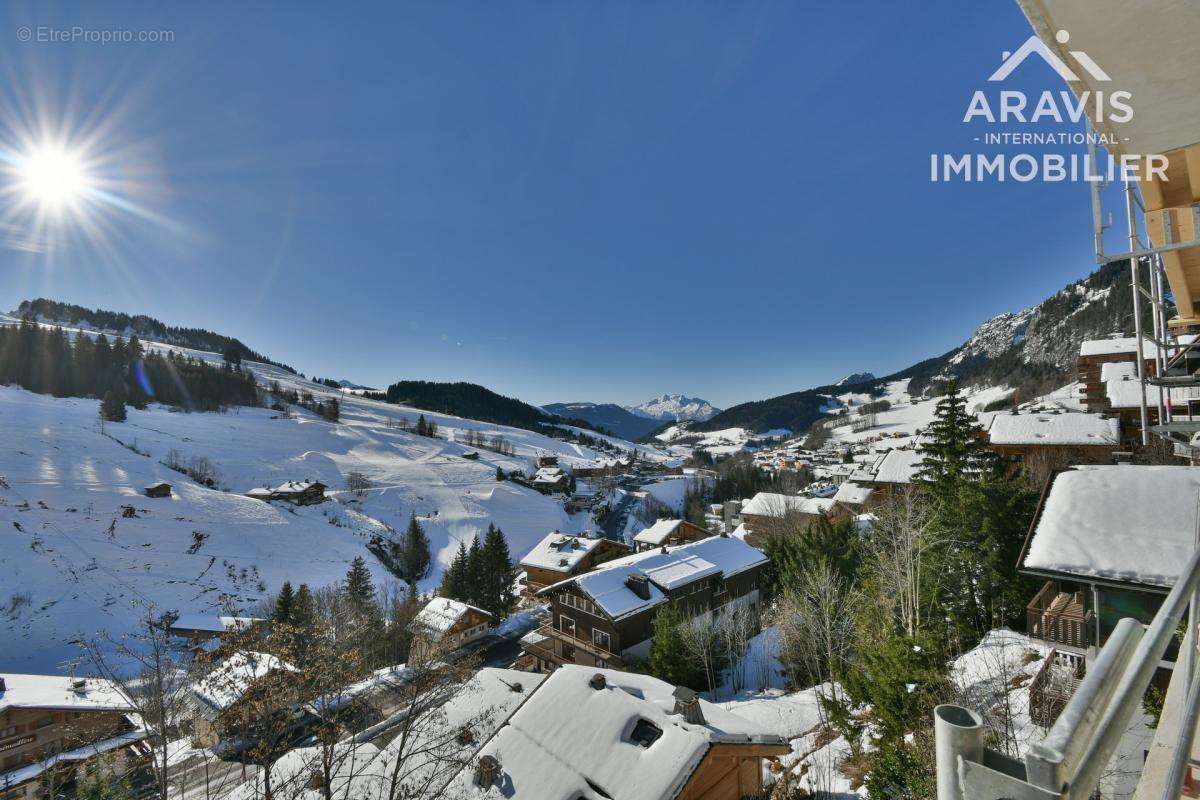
(1095, 353)
(1109, 542)
(600, 468)
(447, 624)
(301, 493)
(509, 735)
(222, 705)
(1123, 398)
(158, 489)
(547, 460)
(851, 500)
(53, 727)
(767, 511)
(890, 473)
(1054, 436)
(660, 741)
(668, 532)
(606, 617)
(559, 556)
(549, 480)
(201, 628)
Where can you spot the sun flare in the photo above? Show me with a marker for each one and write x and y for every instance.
(53, 176)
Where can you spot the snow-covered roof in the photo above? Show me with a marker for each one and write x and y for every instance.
(1115, 346)
(607, 585)
(659, 532)
(559, 552)
(213, 624)
(1062, 428)
(852, 494)
(549, 475)
(441, 613)
(1124, 523)
(296, 487)
(898, 466)
(1124, 390)
(222, 687)
(61, 691)
(570, 740)
(770, 504)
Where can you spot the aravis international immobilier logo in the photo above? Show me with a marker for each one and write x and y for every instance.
(1063, 125)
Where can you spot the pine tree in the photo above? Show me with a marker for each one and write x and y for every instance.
(304, 609)
(359, 589)
(112, 407)
(454, 579)
(955, 448)
(474, 587)
(284, 604)
(668, 655)
(415, 556)
(499, 574)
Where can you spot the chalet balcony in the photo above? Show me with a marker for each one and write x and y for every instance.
(557, 647)
(1053, 686)
(1060, 617)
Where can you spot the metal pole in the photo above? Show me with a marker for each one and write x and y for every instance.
(957, 732)
(1097, 205)
(1131, 220)
(1181, 757)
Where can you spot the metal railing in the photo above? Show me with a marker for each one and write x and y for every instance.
(1069, 761)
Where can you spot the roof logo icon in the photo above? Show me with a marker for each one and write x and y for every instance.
(1035, 45)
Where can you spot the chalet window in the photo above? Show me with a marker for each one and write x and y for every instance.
(11, 730)
(601, 639)
(568, 652)
(645, 733)
(566, 625)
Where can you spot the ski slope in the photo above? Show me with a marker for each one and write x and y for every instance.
(71, 564)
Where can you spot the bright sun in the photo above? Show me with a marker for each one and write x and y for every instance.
(53, 176)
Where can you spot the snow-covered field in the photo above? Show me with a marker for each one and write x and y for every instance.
(72, 564)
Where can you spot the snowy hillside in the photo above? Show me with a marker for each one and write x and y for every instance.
(74, 561)
(676, 407)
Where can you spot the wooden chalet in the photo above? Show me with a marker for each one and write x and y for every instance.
(223, 704)
(301, 493)
(658, 741)
(1054, 436)
(1095, 353)
(200, 628)
(668, 533)
(53, 727)
(1108, 541)
(159, 489)
(550, 480)
(445, 624)
(559, 556)
(605, 618)
(766, 512)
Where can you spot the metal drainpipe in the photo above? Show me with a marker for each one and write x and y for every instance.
(958, 732)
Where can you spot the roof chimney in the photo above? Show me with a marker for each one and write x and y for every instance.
(687, 703)
(639, 585)
(597, 682)
(486, 771)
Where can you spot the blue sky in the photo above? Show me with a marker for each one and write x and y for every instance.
(560, 201)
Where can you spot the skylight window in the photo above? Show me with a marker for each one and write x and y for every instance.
(645, 733)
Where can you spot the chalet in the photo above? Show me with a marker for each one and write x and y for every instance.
(159, 489)
(1054, 436)
(601, 468)
(766, 511)
(508, 735)
(559, 556)
(852, 499)
(1123, 398)
(53, 727)
(547, 460)
(669, 532)
(199, 628)
(302, 493)
(891, 472)
(1109, 542)
(659, 741)
(1095, 353)
(606, 617)
(447, 624)
(549, 480)
(222, 702)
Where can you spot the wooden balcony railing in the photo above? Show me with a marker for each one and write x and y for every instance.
(1060, 617)
(551, 646)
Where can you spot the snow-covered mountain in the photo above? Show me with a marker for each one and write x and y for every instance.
(856, 377)
(676, 407)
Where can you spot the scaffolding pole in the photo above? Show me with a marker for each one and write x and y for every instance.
(1131, 220)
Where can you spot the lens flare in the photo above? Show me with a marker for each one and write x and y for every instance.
(53, 176)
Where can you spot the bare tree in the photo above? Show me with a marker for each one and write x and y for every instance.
(815, 619)
(357, 483)
(150, 670)
(898, 555)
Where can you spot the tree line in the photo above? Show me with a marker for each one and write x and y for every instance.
(47, 361)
